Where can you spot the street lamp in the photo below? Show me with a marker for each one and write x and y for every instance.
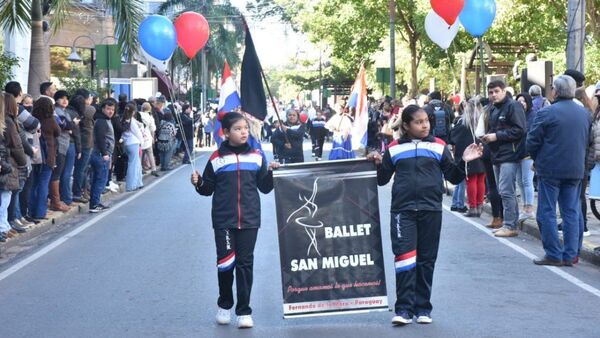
(74, 56)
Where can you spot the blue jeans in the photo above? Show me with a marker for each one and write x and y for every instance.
(566, 193)
(17, 198)
(80, 172)
(99, 176)
(66, 192)
(189, 150)
(458, 197)
(38, 197)
(506, 179)
(4, 202)
(165, 157)
(525, 180)
(133, 180)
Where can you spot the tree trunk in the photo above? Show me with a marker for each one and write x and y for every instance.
(414, 83)
(39, 59)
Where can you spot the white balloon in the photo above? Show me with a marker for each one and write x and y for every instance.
(158, 64)
(438, 30)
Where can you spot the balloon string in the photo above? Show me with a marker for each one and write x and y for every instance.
(452, 70)
(190, 152)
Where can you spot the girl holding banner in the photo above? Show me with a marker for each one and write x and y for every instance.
(419, 162)
(235, 172)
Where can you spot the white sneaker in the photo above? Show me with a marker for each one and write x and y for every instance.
(113, 187)
(223, 316)
(245, 322)
(402, 318)
(586, 233)
(424, 319)
(525, 216)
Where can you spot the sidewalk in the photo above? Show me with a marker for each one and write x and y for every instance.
(14, 245)
(590, 250)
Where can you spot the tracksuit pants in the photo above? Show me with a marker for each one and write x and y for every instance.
(415, 241)
(235, 251)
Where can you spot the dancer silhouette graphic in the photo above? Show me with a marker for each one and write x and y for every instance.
(305, 217)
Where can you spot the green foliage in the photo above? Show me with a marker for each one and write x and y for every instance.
(78, 80)
(7, 62)
(127, 14)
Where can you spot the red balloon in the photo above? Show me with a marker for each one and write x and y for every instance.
(448, 9)
(192, 32)
(303, 117)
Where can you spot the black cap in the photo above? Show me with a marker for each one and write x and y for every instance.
(60, 94)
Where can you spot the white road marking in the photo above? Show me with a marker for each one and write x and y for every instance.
(558, 271)
(38, 254)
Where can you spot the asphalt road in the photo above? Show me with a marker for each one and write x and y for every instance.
(146, 268)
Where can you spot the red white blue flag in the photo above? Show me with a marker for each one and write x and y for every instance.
(358, 101)
(229, 100)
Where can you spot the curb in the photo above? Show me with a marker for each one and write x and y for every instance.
(530, 227)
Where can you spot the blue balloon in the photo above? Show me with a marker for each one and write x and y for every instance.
(477, 16)
(158, 37)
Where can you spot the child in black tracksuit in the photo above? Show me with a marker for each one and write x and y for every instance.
(318, 133)
(419, 162)
(233, 175)
(289, 141)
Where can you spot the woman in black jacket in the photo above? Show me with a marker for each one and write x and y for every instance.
(233, 176)
(461, 136)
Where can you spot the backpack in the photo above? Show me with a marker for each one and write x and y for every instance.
(166, 132)
(440, 129)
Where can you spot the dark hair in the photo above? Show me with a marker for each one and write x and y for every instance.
(78, 104)
(230, 119)
(44, 86)
(168, 116)
(14, 88)
(435, 95)
(184, 108)
(10, 105)
(577, 76)
(83, 92)
(43, 108)
(496, 84)
(108, 102)
(60, 94)
(128, 111)
(528, 100)
(122, 97)
(408, 112)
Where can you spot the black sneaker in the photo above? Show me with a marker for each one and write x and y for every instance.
(104, 207)
(462, 209)
(453, 208)
(96, 209)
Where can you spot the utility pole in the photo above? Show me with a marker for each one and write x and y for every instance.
(392, 5)
(576, 35)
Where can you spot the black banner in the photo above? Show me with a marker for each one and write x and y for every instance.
(329, 238)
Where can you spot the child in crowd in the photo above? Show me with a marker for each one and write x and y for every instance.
(235, 172)
(418, 161)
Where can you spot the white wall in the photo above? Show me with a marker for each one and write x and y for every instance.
(18, 44)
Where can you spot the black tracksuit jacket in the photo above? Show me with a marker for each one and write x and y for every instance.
(232, 176)
(419, 167)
